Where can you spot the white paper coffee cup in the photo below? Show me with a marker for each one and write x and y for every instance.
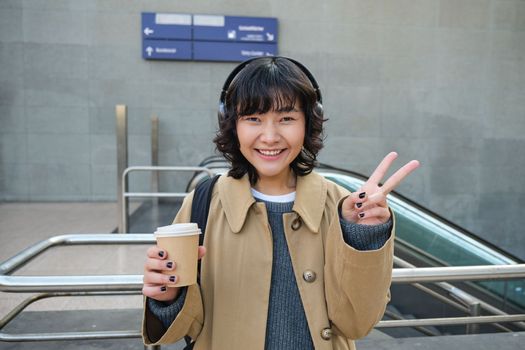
(181, 242)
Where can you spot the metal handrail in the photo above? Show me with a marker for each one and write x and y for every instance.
(17, 261)
(467, 300)
(458, 273)
(128, 283)
(64, 335)
(33, 298)
(24, 284)
(123, 224)
(441, 321)
(69, 336)
(116, 285)
(399, 275)
(97, 283)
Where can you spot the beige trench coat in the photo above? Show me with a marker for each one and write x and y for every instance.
(345, 300)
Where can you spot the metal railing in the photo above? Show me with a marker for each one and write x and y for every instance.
(461, 300)
(450, 320)
(123, 200)
(60, 286)
(53, 286)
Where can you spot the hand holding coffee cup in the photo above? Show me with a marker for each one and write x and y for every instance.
(172, 263)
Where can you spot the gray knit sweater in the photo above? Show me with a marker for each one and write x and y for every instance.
(286, 326)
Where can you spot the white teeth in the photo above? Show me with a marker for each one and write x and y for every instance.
(270, 152)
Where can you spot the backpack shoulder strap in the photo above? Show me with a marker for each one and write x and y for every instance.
(199, 215)
(201, 204)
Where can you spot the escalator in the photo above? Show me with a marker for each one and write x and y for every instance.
(425, 239)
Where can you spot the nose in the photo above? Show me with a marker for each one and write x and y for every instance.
(270, 133)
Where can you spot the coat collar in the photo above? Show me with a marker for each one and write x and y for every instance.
(236, 200)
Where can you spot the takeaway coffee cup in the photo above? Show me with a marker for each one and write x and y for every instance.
(181, 241)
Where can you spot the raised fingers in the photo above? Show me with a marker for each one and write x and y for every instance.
(382, 168)
(399, 175)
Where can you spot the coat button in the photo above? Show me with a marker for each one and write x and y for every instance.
(309, 276)
(326, 333)
(297, 223)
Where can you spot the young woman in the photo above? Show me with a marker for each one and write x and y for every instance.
(290, 260)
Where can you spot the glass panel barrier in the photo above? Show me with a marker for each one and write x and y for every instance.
(444, 243)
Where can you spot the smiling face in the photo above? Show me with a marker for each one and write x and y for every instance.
(270, 142)
(269, 126)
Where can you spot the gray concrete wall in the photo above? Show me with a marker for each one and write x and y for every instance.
(440, 81)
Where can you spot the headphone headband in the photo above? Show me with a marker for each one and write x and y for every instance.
(241, 66)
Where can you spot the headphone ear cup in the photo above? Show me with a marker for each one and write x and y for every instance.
(221, 114)
(318, 109)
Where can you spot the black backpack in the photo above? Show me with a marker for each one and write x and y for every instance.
(201, 205)
(199, 215)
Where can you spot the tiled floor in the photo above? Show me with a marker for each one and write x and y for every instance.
(23, 224)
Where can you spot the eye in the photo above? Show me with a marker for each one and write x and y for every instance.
(250, 118)
(287, 119)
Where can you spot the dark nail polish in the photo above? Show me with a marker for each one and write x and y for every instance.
(169, 265)
(163, 288)
(361, 215)
(359, 205)
(161, 254)
(173, 278)
(362, 195)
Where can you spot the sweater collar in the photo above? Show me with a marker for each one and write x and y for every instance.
(236, 200)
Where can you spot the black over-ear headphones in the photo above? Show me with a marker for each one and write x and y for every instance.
(222, 102)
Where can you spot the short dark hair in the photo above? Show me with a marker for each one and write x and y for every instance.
(266, 84)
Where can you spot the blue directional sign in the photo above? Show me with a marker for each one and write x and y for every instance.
(166, 50)
(166, 26)
(232, 28)
(176, 36)
(234, 52)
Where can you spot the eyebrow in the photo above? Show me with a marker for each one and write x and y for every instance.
(288, 109)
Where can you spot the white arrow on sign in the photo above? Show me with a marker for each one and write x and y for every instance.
(149, 50)
(269, 36)
(148, 31)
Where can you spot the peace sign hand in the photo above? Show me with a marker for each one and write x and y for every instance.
(368, 206)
